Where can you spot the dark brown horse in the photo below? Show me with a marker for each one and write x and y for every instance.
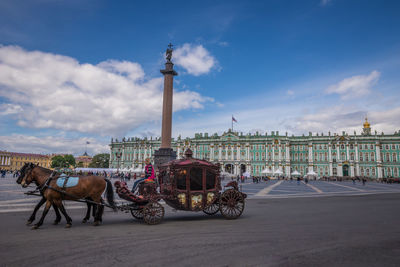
(43, 200)
(88, 187)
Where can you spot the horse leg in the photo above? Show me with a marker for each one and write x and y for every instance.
(87, 217)
(45, 211)
(58, 216)
(99, 212)
(64, 212)
(38, 205)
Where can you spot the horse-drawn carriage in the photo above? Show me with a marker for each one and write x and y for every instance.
(187, 184)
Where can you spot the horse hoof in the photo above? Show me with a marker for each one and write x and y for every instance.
(29, 222)
(35, 227)
(68, 225)
(84, 221)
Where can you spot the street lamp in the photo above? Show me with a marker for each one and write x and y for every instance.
(118, 155)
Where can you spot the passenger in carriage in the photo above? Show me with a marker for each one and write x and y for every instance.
(149, 174)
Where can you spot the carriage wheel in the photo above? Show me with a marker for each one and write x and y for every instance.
(137, 213)
(153, 213)
(212, 209)
(231, 204)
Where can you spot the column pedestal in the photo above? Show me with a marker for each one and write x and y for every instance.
(163, 155)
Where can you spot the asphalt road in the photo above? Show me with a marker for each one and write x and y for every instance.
(329, 231)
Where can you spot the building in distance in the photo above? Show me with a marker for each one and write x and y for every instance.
(367, 154)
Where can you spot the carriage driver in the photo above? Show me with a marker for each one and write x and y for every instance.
(148, 174)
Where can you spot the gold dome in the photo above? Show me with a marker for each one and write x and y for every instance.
(366, 123)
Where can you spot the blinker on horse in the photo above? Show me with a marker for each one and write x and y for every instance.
(90, 186)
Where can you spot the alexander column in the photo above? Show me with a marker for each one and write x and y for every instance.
(165, 153)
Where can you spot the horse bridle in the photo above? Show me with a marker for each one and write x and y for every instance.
(25, 172)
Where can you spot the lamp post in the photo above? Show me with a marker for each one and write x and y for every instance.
(118, 155)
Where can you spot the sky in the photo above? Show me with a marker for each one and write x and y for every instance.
(73, 72)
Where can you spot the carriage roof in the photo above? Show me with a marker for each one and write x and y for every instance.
(188, 162)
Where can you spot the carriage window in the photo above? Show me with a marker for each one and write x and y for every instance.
(210, 180)
(181, 179)
(196, 179)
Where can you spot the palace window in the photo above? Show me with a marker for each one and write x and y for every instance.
(393, 147)
(361, 156)
(367, 172)
(372, 156)
(342, 146)
(360, 146)
(366, 157)
(333, 146)
(394, 157)
(373, 171)
(387, 146)
(351, 146)
(371, 146)
(395, 172)
(387, 157)
(351, 156)
(326, 156)
(362, 171)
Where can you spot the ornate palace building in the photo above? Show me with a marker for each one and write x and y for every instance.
(367, 154)
(14, 161)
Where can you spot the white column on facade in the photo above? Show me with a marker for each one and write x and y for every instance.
(338, 152)
(211, 152)
(2, 160)
(279, 152)
(378, 159)
(219, 152)
(247, 152)
(239, 152)
(287, 159)
(273, 154)
(347, 152)
(310, 157)
(357, 165)
(330, 159)
(232, 158)
(339, 166)
(178, 151)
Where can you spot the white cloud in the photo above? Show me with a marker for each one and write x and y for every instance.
(55, 91)
(50, 144)
(196, 60)
(325, 2)
(354, 86)
(8, 109)
(290, 92)
(341, 118)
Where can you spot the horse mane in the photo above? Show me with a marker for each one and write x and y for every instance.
(44, 169)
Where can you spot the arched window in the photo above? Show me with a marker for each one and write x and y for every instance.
(387, 157)
(361, 156)
(372, 156)
(342, 146)
(395, 170)
(394, 157)
(343, 156)
(366, 156)
(371, 146)
(367, 172)
(366, 146)
(351, 156)
(351, 146)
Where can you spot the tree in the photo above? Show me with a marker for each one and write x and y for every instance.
(69, 160)
(62, 161)
(100, 161)
(58, 162)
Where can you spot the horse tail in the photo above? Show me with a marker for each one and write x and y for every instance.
(110, 194)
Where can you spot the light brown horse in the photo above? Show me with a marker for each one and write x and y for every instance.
(88, 187)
